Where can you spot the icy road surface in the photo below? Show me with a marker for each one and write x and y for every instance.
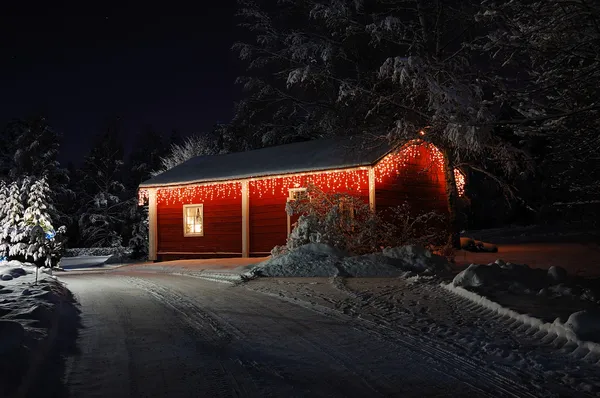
(156, 335)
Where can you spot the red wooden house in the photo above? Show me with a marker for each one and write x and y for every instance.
(234, 204)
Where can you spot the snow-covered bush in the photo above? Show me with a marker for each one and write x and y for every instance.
(347, 223)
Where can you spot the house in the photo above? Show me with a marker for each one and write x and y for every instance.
(234, 204)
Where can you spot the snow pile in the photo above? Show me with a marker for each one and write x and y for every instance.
(27, 318)
(317, 259)
(417, 258)
(519, 278)
(580, 326)
(585, 325)
(97, 251)
(313, 259)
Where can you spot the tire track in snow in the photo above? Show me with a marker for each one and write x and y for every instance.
(225, 327)
(461, 368)
(227, 378)
(487, 323)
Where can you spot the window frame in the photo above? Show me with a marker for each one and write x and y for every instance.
(192, 234)
(293, 191)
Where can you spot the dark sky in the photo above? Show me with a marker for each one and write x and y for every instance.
(166, 68)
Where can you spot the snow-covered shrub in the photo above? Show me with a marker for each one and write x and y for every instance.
(335, 219)
(423, 229)
(347, 223)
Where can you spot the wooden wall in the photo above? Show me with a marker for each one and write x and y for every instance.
(420, 182)
(268, 219)
(222, 228)
(268, 222)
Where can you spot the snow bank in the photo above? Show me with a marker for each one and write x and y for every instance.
(97, 251)
(317, 259)
(314, 259)
(581, 325)
(585, 324)
(27, 316)
(519, 278)
(417, 258)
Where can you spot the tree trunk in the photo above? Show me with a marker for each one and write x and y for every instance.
(452, 198)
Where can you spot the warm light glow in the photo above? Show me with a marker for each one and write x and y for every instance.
(395, 163)
(332, 181)
(349, 180)
(143, 196)
(422, 132)
(459, 177)
(199, 193)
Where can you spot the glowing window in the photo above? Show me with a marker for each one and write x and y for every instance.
(193, 220)
(298, 194)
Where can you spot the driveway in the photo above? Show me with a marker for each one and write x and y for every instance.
(161, 335)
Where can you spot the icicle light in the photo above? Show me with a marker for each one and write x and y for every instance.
(396, 162)
(143, 196)
(459, 177)
(355, 179)
(199, 193)
(332, 181)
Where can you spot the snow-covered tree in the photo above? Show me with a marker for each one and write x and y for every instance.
(388, 69)
(38, 209)
(101, 190)
(139, 234)
(13, 236)
(32, 151)
(28, 233)
(546, 64)
(45, 244)
(195, 145)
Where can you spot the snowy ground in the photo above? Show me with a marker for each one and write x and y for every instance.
(452, 329)
(83, 261)
(154, 334)
(28, 320)
(146, 330)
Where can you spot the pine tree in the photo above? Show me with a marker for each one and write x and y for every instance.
(32, 151)
(103, 214)
(4, 194)
(13, 236)
(44, 245)
(387, 69)
(138, 242)
(546, 66)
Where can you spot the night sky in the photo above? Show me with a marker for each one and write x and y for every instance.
(165, 68)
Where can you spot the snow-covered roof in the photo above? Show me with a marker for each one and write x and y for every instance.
(316, 155)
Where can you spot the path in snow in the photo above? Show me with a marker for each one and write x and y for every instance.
(164, 335)
(456, 327)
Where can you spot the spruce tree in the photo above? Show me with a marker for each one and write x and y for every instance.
(14, 235)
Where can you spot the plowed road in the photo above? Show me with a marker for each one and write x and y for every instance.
(156, 335)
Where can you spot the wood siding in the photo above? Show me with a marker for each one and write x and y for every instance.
(420, 183)
(268, 219)
(418, 180)
(222, 228)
